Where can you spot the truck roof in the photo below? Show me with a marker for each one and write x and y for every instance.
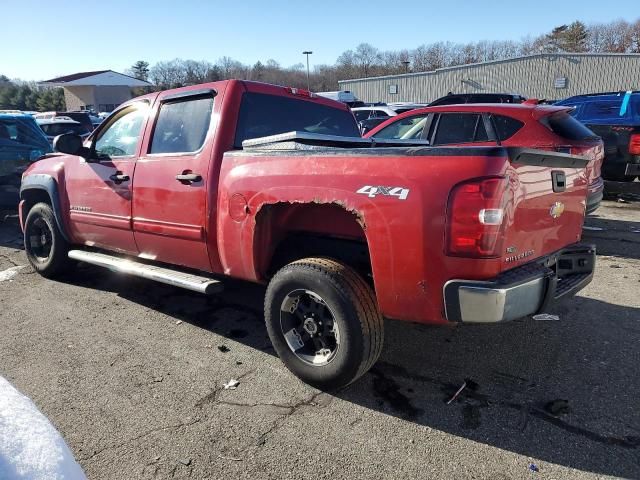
(251, 86)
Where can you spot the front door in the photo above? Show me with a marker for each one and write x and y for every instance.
(170, 188)
(100, 190)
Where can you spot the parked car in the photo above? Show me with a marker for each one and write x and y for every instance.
(175, 187)
(461, 98)
(527, 125)
(60, 125)
(371, 116)
(344, 96)
(81, 117)
(21, 143)
(616, 118)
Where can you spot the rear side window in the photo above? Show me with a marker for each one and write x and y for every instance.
(567, 127)
(460, 128)
(362, 114)
(262, 115)
(182, 126)
(506, 127)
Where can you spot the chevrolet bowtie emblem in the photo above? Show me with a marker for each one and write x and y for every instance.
(556, 209)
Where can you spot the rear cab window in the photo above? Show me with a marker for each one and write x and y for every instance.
(262, 115)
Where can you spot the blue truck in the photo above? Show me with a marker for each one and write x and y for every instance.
(615, 117)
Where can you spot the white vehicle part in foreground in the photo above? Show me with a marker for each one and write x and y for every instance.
(30, 447)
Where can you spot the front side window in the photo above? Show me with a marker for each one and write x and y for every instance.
(120, 136)
(409, 128)
(182, 126)
(460, 128)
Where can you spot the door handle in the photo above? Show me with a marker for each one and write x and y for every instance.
(119, 177)
(188, 178)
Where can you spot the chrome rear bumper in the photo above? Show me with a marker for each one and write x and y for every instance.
(522, 291)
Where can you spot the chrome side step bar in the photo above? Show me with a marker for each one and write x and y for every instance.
(176, 278)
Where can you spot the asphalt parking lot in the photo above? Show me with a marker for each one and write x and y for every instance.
(132, 372)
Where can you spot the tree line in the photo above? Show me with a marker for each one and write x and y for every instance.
(365, 60)
(29, 96)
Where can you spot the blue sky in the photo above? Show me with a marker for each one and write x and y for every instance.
(45, 38)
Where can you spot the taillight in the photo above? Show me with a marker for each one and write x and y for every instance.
(475, 218)
(634, 144)
(300, 91)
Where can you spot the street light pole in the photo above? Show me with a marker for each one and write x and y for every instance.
(307, 53)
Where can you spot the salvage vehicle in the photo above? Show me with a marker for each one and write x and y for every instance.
(60, 125)
(81, 116)
(615, 117)
(21, 143)
(529, 125)
(462, 98)
(177, 187)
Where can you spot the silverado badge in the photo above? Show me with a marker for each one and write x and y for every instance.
(556, 209)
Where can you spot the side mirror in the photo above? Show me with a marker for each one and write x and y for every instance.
(71, 144)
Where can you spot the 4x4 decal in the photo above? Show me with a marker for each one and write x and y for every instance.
(371, 192)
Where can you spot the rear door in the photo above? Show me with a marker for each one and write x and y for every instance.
(170, 188)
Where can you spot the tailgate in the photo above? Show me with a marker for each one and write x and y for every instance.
(547, 210)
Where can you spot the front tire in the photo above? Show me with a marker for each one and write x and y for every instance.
(323, 321)
(44, 244)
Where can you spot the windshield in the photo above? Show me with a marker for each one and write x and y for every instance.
(54, 129)
(262, 115)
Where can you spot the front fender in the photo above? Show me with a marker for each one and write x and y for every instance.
(46, 183)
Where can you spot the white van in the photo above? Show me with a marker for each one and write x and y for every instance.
(344, 96)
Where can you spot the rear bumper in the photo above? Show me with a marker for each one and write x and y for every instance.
(522, 291)
(594, 195)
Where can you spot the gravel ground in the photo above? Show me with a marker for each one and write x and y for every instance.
(131, 373)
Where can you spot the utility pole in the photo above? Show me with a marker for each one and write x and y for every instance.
(307, 53)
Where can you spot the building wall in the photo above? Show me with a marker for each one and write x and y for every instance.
(99, 98)
(533, 76)
(75, 98)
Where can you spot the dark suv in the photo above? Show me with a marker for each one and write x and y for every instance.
(615, 117)
(461, 98)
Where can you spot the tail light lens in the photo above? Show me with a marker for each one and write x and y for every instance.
(634, 144)
(300, 91)
(475, 218)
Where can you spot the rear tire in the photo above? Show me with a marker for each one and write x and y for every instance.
(44, 244)
(323, 321)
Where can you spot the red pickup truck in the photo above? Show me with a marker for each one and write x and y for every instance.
(190, 185)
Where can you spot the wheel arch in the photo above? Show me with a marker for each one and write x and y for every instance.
(38, 188)
(289, 231)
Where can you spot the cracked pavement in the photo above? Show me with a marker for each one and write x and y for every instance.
(131, 374)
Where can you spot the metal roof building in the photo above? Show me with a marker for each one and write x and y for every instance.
(101, 90)
(553, 76)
